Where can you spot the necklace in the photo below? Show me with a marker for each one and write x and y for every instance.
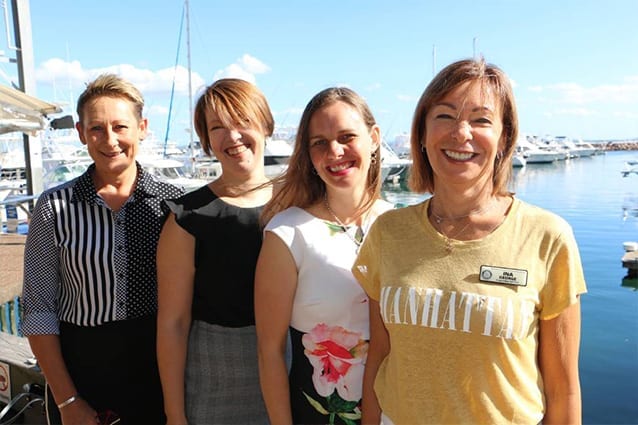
(357, 239)
(448, 239)
(475, 211)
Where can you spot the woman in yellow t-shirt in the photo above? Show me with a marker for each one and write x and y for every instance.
(474, 294)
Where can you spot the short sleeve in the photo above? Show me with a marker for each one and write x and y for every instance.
(185, 208)
(284, 231)
(565, 277)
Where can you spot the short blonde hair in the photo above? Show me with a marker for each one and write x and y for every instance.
(111, 85)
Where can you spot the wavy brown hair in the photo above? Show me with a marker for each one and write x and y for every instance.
(300, 185)
(491, 78)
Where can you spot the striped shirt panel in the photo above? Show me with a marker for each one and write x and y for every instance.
(86, 264)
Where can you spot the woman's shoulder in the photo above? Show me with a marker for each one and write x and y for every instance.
(190, 201)
(536, 216)
(290, 217)
(194, 199)
(395, 213)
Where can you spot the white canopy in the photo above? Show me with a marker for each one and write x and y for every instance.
(22, 112)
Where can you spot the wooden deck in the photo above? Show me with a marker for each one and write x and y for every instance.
(11, 265)
(17, 364)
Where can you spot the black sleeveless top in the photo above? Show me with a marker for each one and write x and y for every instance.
(227, 243)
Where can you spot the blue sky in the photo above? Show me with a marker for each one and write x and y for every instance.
(574, 63)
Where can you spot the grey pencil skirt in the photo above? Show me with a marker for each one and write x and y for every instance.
(222, 376)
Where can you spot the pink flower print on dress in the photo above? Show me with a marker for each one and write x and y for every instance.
(338, 358)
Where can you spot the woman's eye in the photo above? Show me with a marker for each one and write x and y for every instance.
(483, 120)
(444, 116)
(319, 142)
(346, 138)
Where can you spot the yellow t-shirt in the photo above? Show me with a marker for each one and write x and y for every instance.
(463, 325)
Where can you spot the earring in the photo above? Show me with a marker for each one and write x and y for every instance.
(373, 158)
(499, 156)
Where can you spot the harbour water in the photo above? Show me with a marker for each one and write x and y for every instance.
(592, 195)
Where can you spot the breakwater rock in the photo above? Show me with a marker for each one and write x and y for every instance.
(626, 145)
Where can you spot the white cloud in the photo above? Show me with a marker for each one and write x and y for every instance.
(72, 76)
(583, 112)
(405, 97)
(576, 94)
(626, 114)
(246, 68)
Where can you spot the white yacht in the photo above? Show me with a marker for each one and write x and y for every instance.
(535, 153)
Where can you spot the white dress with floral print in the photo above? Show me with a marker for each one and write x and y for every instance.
(329, 327)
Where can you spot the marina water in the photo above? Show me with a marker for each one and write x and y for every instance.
(591, 194)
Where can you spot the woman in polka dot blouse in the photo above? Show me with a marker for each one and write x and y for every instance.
(90, 287)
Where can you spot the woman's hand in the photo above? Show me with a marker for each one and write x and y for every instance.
(78, 413)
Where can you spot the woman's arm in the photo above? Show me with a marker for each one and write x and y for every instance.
(559, 342)
(377, 351)
(275, 285)
(175, 278)
(46, 348)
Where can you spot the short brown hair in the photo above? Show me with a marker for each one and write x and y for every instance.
(234, 101)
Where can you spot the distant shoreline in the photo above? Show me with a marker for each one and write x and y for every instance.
(619, 146)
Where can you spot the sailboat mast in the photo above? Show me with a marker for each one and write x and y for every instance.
(190, 88)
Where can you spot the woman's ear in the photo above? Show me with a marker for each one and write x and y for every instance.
(375, 134)
(78, 128)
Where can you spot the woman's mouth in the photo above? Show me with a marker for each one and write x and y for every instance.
(236, 150)
(459, 156)
(340, 167)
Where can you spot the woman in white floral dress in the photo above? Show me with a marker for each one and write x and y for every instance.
(328, 198)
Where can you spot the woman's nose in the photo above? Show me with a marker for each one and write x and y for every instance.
(462, 131)
(235, 134)
(111, 137)
(336, 149)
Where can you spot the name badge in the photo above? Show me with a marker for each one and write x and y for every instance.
(503, 275)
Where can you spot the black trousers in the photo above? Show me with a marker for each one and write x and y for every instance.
(114, 368)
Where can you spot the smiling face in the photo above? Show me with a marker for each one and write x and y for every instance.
(111, 131)
(239, 148)
(341, 146)
(464, 135)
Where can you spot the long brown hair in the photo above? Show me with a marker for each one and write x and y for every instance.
(299, 185)
(421, 178)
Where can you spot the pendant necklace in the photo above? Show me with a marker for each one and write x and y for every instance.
(448, 239)
(475, 211)
(357, 239)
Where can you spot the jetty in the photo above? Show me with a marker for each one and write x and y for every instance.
(630, 262)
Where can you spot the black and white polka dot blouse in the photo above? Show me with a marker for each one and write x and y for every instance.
(86, 264)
